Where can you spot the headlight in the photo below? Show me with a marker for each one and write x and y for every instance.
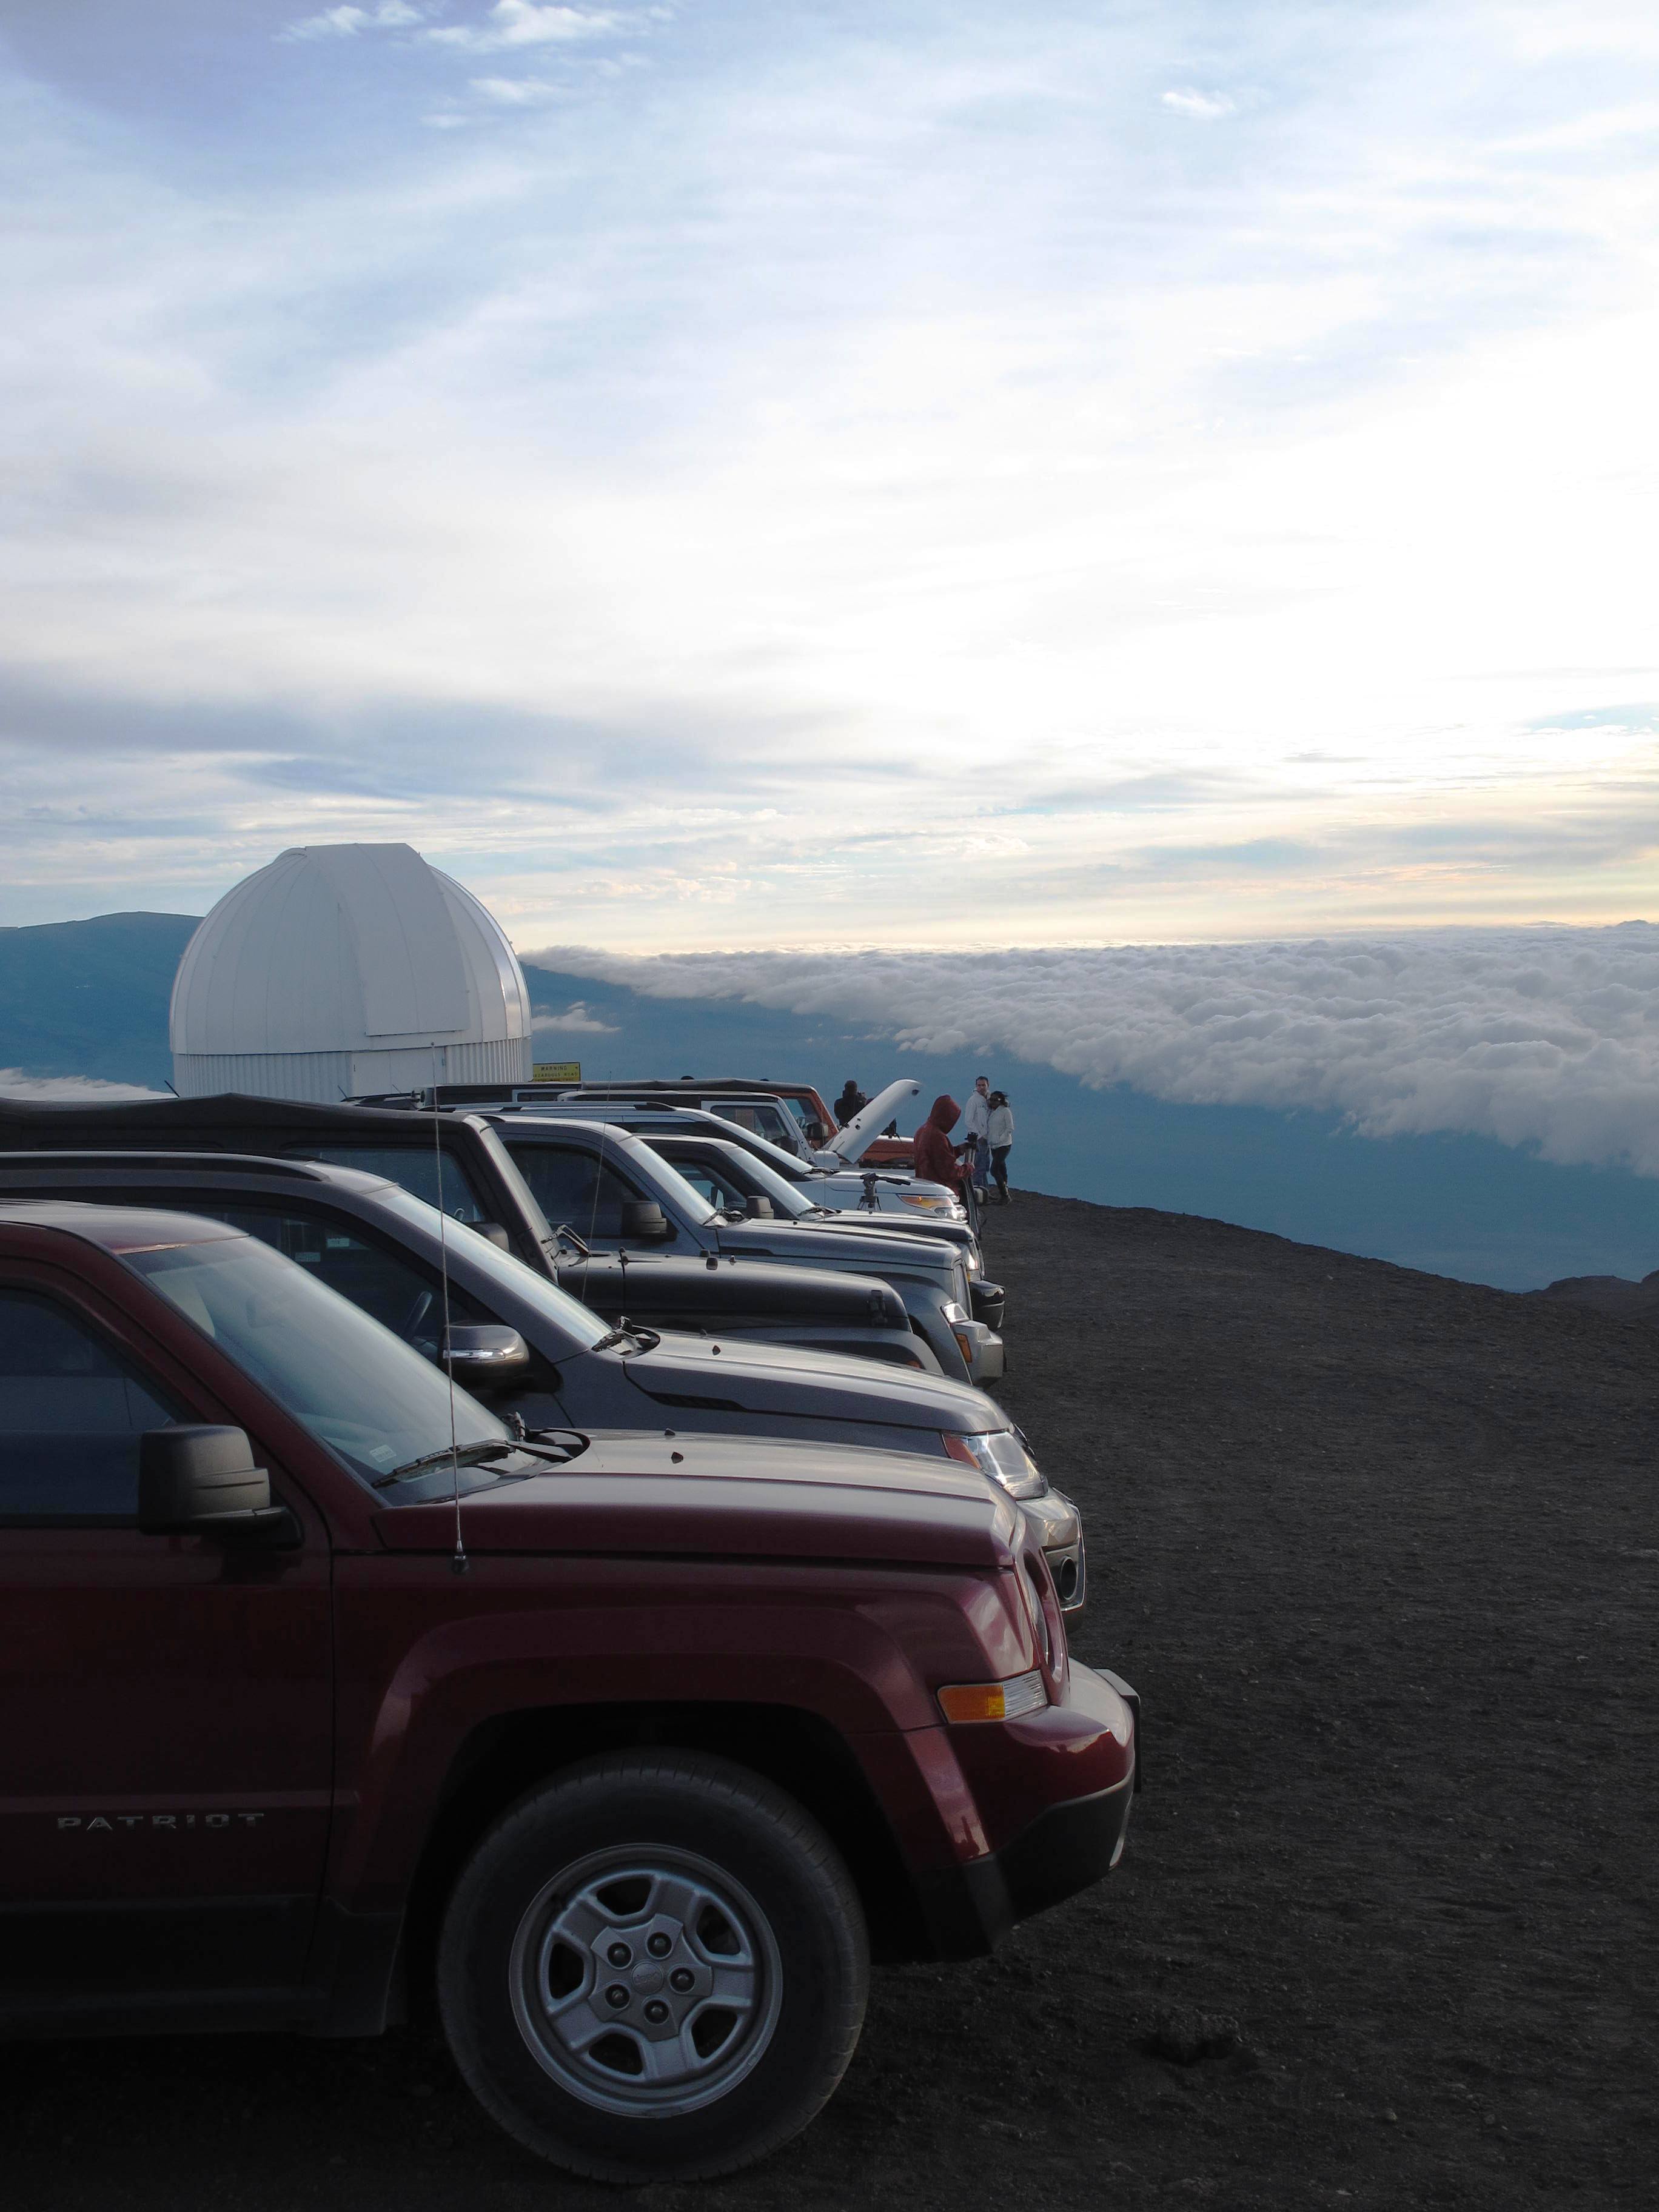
(928, 1204)
(994, 1701)
(1000, 1454)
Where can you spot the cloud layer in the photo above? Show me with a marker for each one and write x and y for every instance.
(1545, 1038)
(69, 1090)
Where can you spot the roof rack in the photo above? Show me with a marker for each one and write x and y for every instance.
(464, 1094)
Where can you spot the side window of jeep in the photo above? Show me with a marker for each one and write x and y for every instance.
(414, 1167)
(72, 1409)
(761, 1119)
(574, 1188)
(710, 1183)
(387, 1284)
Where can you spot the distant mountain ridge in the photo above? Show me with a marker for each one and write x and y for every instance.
(1608, 1294)
(90, 998)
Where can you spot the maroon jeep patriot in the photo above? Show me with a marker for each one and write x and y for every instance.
(323, 1689)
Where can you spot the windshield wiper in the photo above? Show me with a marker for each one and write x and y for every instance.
(475, 1455)
(466, 1455)
(644, 1339)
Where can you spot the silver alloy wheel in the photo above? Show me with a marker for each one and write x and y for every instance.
(645, 1981)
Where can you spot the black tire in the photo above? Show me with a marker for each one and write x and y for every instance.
(768, 1918)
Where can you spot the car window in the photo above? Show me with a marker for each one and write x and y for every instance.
(761, 1116)
(753, 1176)
(399, 1294)
(374, 1402)
(717, 1189)
(72, 1409)
(579, 1325)
(575, 1189)
(415, 1167)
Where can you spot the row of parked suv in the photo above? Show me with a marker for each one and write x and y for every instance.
(562, 1563)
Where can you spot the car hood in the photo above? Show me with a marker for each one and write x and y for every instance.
(645, 1284)
(730, 1498)
(737, 1376)
(808, 1243)
(861, 1222)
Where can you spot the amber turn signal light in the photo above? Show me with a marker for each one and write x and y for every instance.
(993, 1701)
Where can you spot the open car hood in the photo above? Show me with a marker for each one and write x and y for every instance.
(852, 1143)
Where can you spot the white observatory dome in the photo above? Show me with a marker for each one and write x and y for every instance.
(344, 968)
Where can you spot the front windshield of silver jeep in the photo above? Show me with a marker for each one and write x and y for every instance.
(735, 1180)
(577, 1323)
(375, 1403)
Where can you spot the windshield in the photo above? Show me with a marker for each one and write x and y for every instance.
(573, 1320)
(786, 1164)
(736, 1175)
(762, 1117)
(673, 1184)
(436, 1177)
(440, 1180)
(507, 1168)
(588, 1187)
(373, 1401)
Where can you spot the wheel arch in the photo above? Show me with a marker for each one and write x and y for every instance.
(509, 1754)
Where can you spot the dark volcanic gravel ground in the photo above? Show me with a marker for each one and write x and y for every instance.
(1381, 1552)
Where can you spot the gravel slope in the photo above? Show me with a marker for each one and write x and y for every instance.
(1381, 1552)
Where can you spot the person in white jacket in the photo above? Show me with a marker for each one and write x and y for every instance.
(975, 1123)
(999, 1140)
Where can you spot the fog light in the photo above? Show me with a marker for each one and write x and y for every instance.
(994, 1701)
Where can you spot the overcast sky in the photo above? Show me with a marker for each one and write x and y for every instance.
(732, 475)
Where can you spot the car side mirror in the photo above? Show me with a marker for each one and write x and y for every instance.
(494, 1232)
(202, 1482)
(758, 1206)
(816, 1133)
(644, 1218)
(484, 1356)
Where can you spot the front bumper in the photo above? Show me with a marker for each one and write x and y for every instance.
(1063, 1849)
(981, 1349)
(1059, 1526)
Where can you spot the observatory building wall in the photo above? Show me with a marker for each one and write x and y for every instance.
(343, 969)
(330, 1076)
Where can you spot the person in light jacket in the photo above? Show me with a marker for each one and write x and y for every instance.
(999, 1136)
(975, 1124)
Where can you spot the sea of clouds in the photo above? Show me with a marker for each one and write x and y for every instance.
(69, 1090)
(1545, 1038)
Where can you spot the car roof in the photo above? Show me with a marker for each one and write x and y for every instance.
(222, 1167)
(597, 1136)
(114, 1228)
(761, 1085)
(227, 1110)
(589, 1110)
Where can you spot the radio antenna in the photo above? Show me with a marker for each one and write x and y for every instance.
(458, 1562)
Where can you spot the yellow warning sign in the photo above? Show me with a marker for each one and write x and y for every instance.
(556, 1071)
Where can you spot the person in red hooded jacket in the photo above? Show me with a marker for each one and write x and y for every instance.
(936, 1159)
